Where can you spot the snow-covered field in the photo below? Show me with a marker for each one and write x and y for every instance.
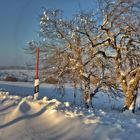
(56, 117)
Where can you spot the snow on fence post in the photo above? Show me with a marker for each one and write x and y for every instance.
(36, 84)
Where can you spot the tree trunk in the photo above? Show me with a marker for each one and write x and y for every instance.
(131, 94)
(86, 92)
(130, 99)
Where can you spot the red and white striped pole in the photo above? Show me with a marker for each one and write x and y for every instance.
(36, 84)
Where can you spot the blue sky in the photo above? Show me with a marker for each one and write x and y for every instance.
(19, 23)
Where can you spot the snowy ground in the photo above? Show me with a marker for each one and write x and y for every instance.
(57, 118)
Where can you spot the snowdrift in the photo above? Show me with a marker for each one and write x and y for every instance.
(27, 119)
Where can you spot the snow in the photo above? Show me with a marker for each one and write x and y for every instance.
(56, 117)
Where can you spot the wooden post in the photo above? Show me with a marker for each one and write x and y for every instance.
(36, 84)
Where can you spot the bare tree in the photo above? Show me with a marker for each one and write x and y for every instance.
(79, 44)
(121, 22)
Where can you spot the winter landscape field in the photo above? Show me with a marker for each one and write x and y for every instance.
(56, 117)
(70, 70)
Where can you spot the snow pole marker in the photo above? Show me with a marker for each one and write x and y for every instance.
(36, 84)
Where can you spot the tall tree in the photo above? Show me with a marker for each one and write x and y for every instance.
(121, 25)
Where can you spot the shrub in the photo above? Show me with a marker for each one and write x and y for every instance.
(51, 80)
(11, 78)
